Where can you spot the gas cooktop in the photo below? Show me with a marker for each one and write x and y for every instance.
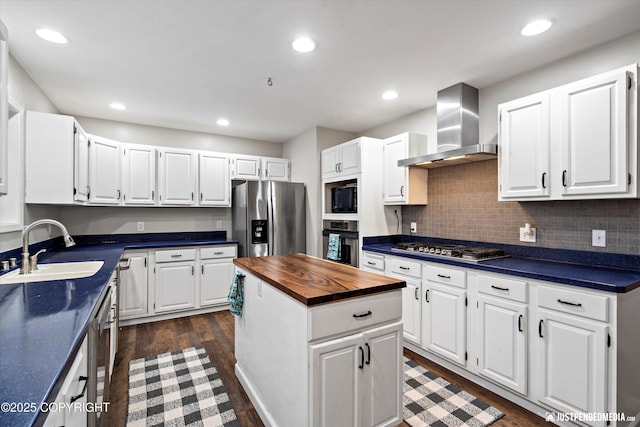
(468, 253)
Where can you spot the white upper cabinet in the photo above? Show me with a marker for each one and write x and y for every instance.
(255, 168)
(246, 167)
(524, 148)
(403, 185)
(104, 171)
(592, 130)
(50, 169)
(214, 179)
(343, 159)
(4, 110)
(81, 185)
(177, 176)
(138, 174)
(577, 141)
(276, 169)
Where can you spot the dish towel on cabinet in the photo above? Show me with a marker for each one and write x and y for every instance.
(333, 247)
(236, 294)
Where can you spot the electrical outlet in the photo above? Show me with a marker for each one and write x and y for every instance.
(218, 224)
(414, 227)
(140, 226)
(530, 238)
(599, 238)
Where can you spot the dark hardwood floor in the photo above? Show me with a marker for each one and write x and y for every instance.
(215, 332)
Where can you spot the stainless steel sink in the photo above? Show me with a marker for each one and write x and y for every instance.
(54, 271)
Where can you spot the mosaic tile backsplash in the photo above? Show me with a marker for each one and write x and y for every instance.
(463, 204)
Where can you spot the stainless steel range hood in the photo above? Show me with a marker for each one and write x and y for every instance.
(458, 131)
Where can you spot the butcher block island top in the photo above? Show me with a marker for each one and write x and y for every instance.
(313, 281)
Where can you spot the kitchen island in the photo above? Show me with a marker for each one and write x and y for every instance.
(319, 343)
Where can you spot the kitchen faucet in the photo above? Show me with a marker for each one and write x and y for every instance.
(29, 265)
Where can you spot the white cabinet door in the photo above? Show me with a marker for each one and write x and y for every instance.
(503, 342)
(572, 357)
(177, 176)
(275, 169)
(81, 185)
(382, 392)
(412, 311)
(330, 159)
(138, 174)
(215, 279)
(214, 179)
(114, 326)
(591, 128)
(524, 148)
(134, 282)
(349, 158)
(104, 171)
(445, 318)
(4, 109)
(336, 382)
(246, 167)
(395, 178)
(175, 286)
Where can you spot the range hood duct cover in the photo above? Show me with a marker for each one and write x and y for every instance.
(458, 131)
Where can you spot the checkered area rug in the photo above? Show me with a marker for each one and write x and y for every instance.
(181, 388)
(431, 401)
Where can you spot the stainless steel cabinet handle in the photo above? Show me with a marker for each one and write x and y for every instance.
(127, 265)
(193, 270)
(202, 269)
(415, 294)
(402, 190)
(118, 194)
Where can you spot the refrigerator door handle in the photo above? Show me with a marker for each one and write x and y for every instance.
(272, 223)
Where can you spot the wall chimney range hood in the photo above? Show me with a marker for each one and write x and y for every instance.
(458, 131)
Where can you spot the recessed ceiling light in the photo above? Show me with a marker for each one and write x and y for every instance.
(223, 122)
(51, 36)
(390, 94)
(304, 44)
(118, 106)
(536, 27)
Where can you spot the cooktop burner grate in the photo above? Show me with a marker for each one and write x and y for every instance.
(469, 253)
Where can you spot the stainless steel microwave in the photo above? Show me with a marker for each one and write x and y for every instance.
(344, 199)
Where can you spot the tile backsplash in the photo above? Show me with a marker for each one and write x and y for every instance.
(463, 204)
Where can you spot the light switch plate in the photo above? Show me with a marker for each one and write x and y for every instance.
(530, 238)
(599, 238)
(414, 227)
(218, 224)
(140, 226)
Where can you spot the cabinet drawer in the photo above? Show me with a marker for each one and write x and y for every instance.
(175, 255)
(574, 302)
(446, 275)
(345, 317)
(218, 252)
(408, 268)
(515, 290)
(373, 261)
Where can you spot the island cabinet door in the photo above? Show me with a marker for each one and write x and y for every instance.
(337, 369)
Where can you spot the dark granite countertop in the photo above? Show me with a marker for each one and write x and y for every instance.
(609, 272)
(43, 324)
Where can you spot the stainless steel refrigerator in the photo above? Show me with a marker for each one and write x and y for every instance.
(269, 218)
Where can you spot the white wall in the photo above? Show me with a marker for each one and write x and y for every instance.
(304, 152)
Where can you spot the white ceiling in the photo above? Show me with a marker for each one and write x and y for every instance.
(184, 63)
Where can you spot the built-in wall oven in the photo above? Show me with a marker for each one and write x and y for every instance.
(340, 241)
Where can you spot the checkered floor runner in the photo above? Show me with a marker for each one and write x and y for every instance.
(431, 401)
(181, 388)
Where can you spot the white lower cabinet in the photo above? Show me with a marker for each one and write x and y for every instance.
(502, 331)
(175, 280)
(72, 392)
(572, 351)
(411, 272)
(163, 283)
(134, 284)
(356, 380)
(445, 313)
(216, 274)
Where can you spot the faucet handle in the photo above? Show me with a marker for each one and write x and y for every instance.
(34, 259)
